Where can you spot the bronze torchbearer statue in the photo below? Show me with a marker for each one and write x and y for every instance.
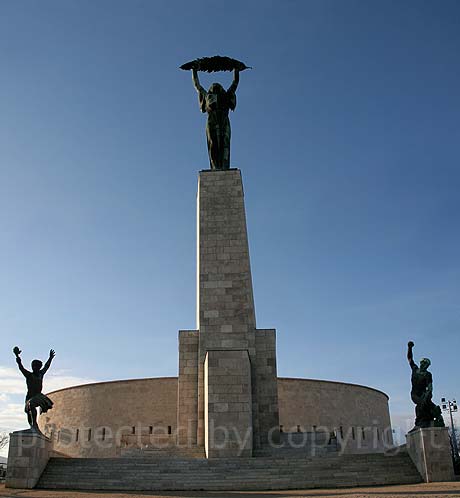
(35, 398)
(217, 102)
(427, 414)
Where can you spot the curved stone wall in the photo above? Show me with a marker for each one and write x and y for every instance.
(96, 420)
(359, 415)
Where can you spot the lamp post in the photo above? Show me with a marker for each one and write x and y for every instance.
(451, 407)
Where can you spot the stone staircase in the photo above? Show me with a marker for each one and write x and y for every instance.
(300, 445)
(161, 453)
(146, 474)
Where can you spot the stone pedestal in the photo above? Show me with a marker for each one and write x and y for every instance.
(227, 404)
(430, 450)
(28, 454)
(187, 402)
(226, 349)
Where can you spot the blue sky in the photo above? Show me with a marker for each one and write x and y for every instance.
(346, 131)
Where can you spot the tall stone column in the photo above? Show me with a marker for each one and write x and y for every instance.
(236, 364)
(225, 306)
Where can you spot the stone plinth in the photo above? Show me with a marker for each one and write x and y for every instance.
(187, 388)
(430, 450)
(266, 418)
(28, 454)
(225, 302)
(226, 337)
(228, 404)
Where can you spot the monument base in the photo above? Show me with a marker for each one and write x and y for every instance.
(28, 454)
(430, 451)
(228, 404)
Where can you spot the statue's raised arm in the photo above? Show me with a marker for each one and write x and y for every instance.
(48, 362)
(196, 82)
(24, 371)
(410, 355)
(236, 79)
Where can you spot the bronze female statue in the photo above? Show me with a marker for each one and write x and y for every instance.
(217, 102)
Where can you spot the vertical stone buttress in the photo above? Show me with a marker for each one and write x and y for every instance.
(234, 368)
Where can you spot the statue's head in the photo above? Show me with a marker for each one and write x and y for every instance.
(216, 88)
(424, 363)
(36, 366)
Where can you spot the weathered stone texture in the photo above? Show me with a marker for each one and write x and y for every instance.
(97, 419)
(228, 404)
(265, 389)
(255, 475)
(225, 302)
(120, 405)
(226, 317)
(430, 451)
(360, 413)
(187, 392)
(28, 455)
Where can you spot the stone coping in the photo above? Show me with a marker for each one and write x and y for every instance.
(119, 381)
(214, 171)
(336, 382)
(146, 379)
(30, 433)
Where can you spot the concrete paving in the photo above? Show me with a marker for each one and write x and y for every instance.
(431, 490)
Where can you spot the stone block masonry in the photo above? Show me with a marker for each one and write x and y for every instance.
(226, 316)
(430, 451)
(187, 393)
(226, 328)
(228, 404)
(151, 406)
(28, 454)
(265, 389)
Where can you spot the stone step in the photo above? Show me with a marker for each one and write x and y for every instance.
(145, 473)
(192, 465)
(193, 452)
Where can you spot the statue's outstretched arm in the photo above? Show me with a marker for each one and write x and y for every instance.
(410, 356)
(236, 80)
(48, 362)
(196, 82)
(24, 372)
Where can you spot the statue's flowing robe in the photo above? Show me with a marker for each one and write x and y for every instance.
(217, 102)
(39, 401)
(35, 398)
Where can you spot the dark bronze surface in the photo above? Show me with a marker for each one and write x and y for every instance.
(34, 379)
(426, 412)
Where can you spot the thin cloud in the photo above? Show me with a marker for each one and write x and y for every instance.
(13, 390)
(12, 381)
(12, 416)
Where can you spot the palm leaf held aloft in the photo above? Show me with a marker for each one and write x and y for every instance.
(214, 64)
